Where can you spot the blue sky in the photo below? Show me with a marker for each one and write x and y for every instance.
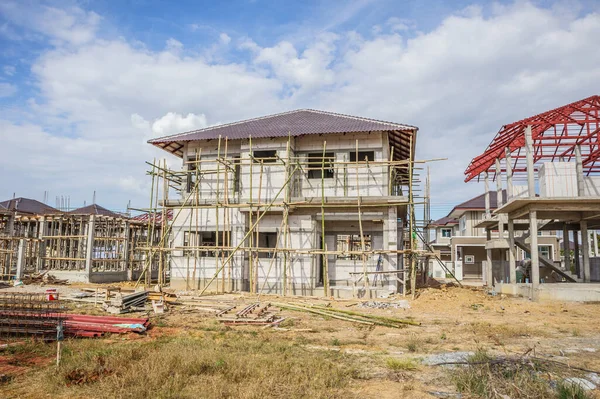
(84, 85)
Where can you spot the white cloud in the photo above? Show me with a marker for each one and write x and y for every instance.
(224, 38)
(71, 25)
(7, 89)
(9, 70)
(459, 83)
(175, 123)
(173, 44)
(306, 70)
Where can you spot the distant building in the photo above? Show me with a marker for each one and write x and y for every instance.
(461, 243)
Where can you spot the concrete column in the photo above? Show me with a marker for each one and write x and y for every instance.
(499, 199)
(509, 173)
(89, 250)
(126, 247)
(39, 263)
(585, 243)
(535, 259)
(579, 171)
(566, 248)
(576, 253)
(530, 171)
(10, 226)
(595, 242)
(512, 252)
(21, 259)
(486, 181)
(390, 236)
(489, 275)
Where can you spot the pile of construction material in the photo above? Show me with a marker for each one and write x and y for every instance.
(253, 314)
(43, 315)
(29, 314)
(42, 279)
(126, 303)
(79, 325)
(115, 301)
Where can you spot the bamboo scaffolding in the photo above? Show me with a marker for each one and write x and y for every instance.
(400, 173)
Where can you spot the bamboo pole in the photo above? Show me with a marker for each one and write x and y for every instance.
(250, 201)
(360, 224)
(151, 219)
(286, 211)
(369, 316)
(320, 312)
(272, 259)
(325, 276)
(226, 230)
(166, 233)
(161, 272)
(255, 258)
(413, 268)
(249, 233)
(197, 196)
(217, 205)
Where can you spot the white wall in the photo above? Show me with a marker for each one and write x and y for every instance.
(557, 179)
(372, 179)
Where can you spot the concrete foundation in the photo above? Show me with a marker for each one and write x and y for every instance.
(568, 292)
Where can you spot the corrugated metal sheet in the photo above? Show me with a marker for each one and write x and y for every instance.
(294, 123)
(145, 217)
(95, 209)
(27, 205)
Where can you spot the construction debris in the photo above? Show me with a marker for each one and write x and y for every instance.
(402, 304)
(43, 278)
(79, 325)
(126, 303)
(253, 314)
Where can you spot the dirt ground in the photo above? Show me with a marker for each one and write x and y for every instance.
(453, 320)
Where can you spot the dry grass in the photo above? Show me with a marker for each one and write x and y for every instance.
(489, 378)
(481, 379)
(400, 364)
(222, 366)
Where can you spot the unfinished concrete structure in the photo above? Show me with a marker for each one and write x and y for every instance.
(304, 202)
(555, 154)
(89, 244)
(461, 245)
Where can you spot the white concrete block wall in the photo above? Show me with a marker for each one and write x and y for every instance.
(204, 219)
(557, 179)
(591, 186)
(372, 180)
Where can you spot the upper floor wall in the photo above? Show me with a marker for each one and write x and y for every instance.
(332, 165)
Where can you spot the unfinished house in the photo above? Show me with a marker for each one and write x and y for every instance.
(303, 202)
(461, 245)
(20, 245)
(89, 244)
(547, 163)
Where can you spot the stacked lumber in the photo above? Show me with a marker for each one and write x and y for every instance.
(253, 314)
(126, 303)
